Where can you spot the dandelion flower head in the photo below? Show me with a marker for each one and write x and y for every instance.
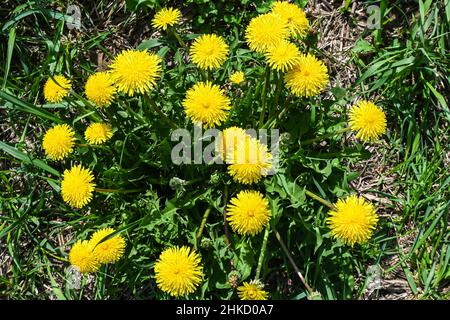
(308, 77)
(227, 141)
(109, 250)
(249, 161)
(237, 77)
(178, 271)
(77, 186)
(252, 290)
(135, 71)
(283, 56)
(56, 89)
(353, 220)
(248, 213)
(59, 141)
(207, 104)
(100, 89)
(294, 17)
(265, 31)
(368, 120)
(98, 133)
(209, 51)
(81, 257)
(166, 17)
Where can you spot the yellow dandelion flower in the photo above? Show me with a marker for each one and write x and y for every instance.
(178, 271)
(136, 71)
(77, 186)
(368, 120)
(249, 161)
(237, 77)
(110, 250)
(265, 31)
(98, 133)
(283, 56)
(227, 141)
(56, 89)
(294, 17)
(58, 142)
(209, 51)
(308, 77)
(252, 290)
(82, 258)
(248, 213)
(166, 17)
(353, 220)
(206, 104)
(100, 89)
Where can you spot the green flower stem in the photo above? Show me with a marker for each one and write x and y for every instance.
(206, 75)
(193, 181)
(153, 105)
(117, 190)
(269, 122)
(53, 255)
(263, 252)
(102, 147)
(325, 136)
(277, 93)
(202, 225)
(291, 260)
(98, 146)
(225, 221)
(264, 95)
(135, 114)
(177, 36)
(320, 199)
(95, 115)
(272, 120)
(84, 110)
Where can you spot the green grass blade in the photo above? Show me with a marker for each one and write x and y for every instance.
(27, 107)
(11, 42)
(18, 18)
(439, 97)
(26, 158)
